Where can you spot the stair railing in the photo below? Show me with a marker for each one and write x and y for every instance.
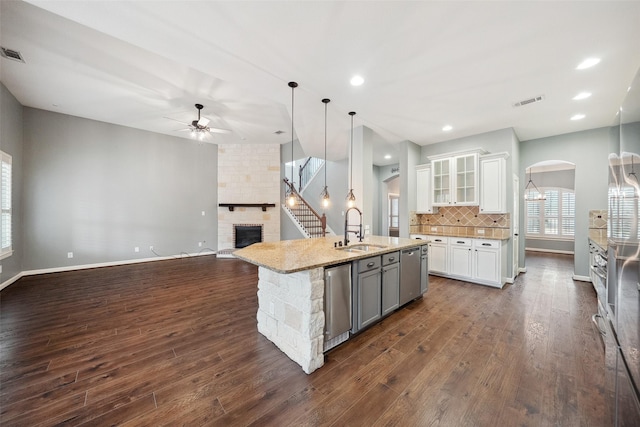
(307, 171)
(322, 219)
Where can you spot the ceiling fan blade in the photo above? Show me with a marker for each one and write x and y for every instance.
(217, 130)
(203, 122)
(179, 121)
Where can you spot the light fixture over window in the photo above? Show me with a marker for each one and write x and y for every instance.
(325, 190)
(290, 196)
(351, 198)
(531, 191)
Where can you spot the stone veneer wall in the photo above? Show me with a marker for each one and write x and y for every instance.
(248, 174)
(291, 314)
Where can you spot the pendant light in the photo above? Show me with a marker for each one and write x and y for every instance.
(325, 191)
(351, 198)
(528, 190)
(289, 195)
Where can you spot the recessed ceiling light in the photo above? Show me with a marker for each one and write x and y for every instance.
(582, 95)
(356, 80)
(387, 156)
(577, 117)
(447, 128)
(588, 63)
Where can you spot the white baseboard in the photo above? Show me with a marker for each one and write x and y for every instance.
(550, 251)
(522, 269)
(11, 280)
(96, 265)
(581, 278)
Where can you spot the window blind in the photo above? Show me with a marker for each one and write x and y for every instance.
(5, 205)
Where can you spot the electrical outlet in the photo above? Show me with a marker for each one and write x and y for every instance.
(480, 230)
(69, 254)
(136, 249)
(0, 269)
(150, 248)
(202, 213)
(434, 228)
(200, 244)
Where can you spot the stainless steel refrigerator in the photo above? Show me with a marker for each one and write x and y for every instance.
(622, 355)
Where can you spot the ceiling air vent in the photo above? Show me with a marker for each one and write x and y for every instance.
(11, 54)
(529, 101)
(279, 132)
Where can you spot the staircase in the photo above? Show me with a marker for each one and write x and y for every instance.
(308, 221)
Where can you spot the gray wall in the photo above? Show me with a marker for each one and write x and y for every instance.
(98, 190)
(561, 179)
(409, 158)
(588, 150)
(11, 143)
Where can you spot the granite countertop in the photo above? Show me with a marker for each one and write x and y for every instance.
(289, 256)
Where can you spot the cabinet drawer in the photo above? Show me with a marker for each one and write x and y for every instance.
(390, 258)
(457, 241)
(439, 239)
(495, 244)
(368, 264)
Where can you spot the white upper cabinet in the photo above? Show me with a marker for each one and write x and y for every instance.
(493, 183)
(423, 190)
(455, 180)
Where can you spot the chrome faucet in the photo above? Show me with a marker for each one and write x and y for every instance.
(359, 233)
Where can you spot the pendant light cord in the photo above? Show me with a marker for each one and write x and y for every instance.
(293, 85)
(352, 113)
(326, 101)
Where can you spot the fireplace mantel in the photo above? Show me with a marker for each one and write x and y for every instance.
(232, 206)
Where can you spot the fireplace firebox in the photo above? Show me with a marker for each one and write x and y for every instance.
(246, 234)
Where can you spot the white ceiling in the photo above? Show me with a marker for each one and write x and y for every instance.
(425, 64)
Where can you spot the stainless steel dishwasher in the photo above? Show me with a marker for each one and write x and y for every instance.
(337, 305)
(409, 274)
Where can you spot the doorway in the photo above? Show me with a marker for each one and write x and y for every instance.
(393, 214)
(549, 207)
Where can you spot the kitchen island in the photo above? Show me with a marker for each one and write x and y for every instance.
(291, 289)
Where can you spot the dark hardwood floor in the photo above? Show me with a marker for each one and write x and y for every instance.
(175, 343)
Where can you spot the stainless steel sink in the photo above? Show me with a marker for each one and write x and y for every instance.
(363, 247)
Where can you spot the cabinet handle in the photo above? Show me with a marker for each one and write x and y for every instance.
(459, 241)
(486, 244)
(371, 264)
(438, 240)
(392, 259)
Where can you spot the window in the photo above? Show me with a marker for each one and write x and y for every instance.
(5, 205)
(554, 217)
(393, 213)
(624, 209)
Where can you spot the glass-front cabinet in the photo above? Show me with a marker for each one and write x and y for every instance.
(455, 180)
(466, 180)
(441, 183)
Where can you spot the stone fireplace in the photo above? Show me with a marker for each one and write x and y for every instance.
(248, 174)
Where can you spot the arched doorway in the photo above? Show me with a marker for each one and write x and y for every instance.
(549, 207)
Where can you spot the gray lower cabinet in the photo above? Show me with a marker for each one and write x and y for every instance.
(367, 292)
(390, 282)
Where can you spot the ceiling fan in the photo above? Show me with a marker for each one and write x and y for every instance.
(199, 128)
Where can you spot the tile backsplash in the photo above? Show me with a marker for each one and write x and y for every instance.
(461, 221)
(598, 218)
(461, 216)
